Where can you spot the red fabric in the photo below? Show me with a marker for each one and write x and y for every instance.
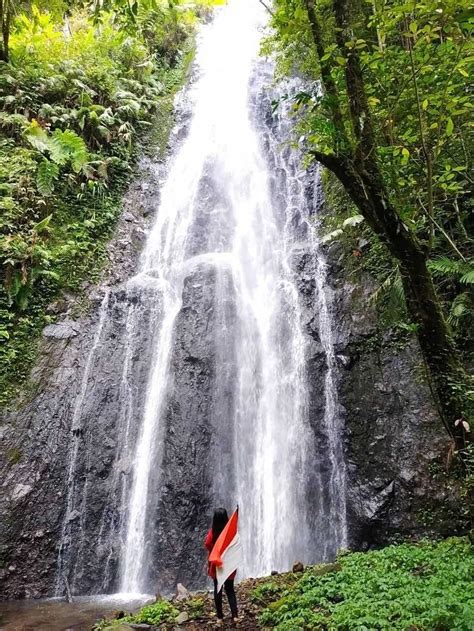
(211, 567)
(224, 539)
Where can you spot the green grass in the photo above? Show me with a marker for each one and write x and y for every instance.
(426, 586)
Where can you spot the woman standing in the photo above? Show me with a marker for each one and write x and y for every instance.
(219, 521)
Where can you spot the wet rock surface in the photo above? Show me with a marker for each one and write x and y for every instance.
(393, 437)
(396, 445)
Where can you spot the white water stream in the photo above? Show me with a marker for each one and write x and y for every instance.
(291, 496)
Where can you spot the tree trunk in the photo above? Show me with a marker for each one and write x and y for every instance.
(359, 172)
(5, 19)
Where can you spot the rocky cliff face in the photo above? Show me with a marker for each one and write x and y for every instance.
(39, 432)
(395, 444)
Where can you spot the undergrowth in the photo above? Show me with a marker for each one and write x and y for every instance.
(75, 105)
(424, 586)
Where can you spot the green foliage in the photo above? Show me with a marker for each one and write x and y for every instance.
(416, 60)
(265, 592)
(410, 586)
(75, 100)
(462, 270)
(195, 608)
(157, 613)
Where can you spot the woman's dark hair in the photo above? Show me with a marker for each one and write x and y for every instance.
(218, 522)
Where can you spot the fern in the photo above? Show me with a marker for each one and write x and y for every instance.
(58, 153)
(68, 143)
(461, 308)
(444, 266)
(47, 174)
(390, 299)
(468, 277)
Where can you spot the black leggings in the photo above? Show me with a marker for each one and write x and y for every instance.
(229, 590)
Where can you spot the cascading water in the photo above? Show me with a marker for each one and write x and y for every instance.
(221, 265)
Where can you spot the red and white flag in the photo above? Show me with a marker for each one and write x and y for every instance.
(227, 551)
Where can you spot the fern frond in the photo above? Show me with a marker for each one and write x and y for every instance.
(391, 295)
(467, 278)
(444, 266)
(58, 153)
(68, 143)
(461, 307)
(378, 294)
(45, 177)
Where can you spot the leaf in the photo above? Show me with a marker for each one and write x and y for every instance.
(43, 224)
(424, 105)
(36, 136)
(449, 127)
(332, 235)
(67, 145)
(47, 174)
(468, 278)
(405, 155)
(57, 151)
(352, 221)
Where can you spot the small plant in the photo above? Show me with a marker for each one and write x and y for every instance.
(195, 608)
(266, 592)
(161, 611)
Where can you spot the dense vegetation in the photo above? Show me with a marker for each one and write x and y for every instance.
(391, 119)
(424, 586)
(421, 586)
(84, 82)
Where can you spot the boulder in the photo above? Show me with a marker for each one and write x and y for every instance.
(182, 618)
(61, 331)
(181, 592)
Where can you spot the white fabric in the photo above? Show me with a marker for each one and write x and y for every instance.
(231, 559)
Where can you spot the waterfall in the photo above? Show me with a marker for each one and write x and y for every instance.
(216, 311)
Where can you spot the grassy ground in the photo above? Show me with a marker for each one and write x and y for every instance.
(427, 586)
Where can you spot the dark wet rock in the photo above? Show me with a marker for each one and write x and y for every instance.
(394, 436)
(297, 567)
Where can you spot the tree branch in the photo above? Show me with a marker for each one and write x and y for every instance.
(333, 163)
(327, 79)
(358, 105)
(264, 4)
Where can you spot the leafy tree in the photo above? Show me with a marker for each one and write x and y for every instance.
(392, 124)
